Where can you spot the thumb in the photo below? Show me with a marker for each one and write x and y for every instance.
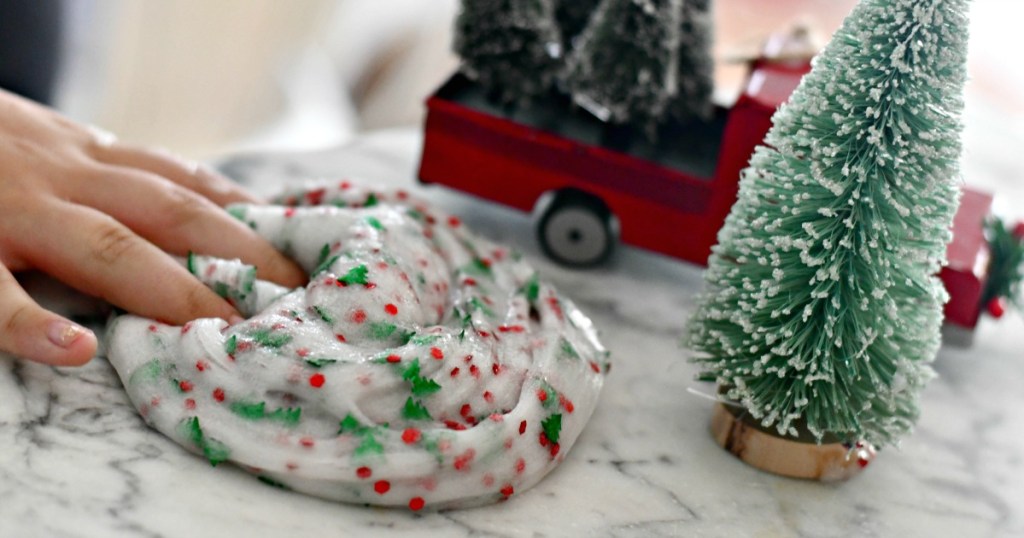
(30, 332)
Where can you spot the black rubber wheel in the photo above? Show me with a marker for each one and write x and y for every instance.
(577, 230)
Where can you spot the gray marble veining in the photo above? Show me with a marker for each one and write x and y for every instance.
(76, 460)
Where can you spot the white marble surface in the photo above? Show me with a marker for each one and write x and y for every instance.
(76, 460)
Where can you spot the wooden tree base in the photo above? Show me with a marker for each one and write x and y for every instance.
(787, 457)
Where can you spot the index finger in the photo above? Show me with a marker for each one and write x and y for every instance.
(188, 174)
(100, 256)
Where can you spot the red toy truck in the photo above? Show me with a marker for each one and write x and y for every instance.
(591, 184)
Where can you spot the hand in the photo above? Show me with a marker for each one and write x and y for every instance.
(101, 216)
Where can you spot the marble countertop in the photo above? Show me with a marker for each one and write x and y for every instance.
(76, 460)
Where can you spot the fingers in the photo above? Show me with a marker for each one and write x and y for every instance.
(179, 221)
(102, 257)
(190, 175)
(30, 332)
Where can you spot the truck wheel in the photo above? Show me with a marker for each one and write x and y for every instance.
(576, 229)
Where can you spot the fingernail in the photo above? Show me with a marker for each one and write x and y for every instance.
(63, 333)
(235, 320)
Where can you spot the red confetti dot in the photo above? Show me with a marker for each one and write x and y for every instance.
(307, 442)
(496, 368)
(190, 403)
(469, 281)
(411, 435)
(554, 449)
(401, 195)
(543, 439)
(152, 328)
(345, 185)
(452, 425)
(520, 466)
(316, 197)
(394, 358)
(201, 365)
(185, 386)
(436, 353)
(496, 417)
(391, 309)
(186, 328)
(155, 401)
(370, 285)
(455, 371)
(317, 380)
(522, 427)
(340, 337)
(595, 367)
(488, 396)
(507, 490)
(462, 462)
(416, 504)
(454, 222)
(566, 403)
(465, 410)
(863, 462)
(218, 394)
(289, 213)
(359, 316)
(382, 487)
(364, 472)
(474, 371)
(302, 352)
(542, 395)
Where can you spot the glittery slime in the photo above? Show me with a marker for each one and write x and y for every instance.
(421, 366)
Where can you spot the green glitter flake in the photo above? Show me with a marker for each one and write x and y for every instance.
(190, 263)
(238, 212)
(350, 425)
(269, 338)
(325, 251)
(477, 304)
(214, 451)
(369, 445)
(356, 275)
(371, 200)
(289, 416)
(532, 288)
(272, 483)
(221, 289)
(380, 331)
(147, 373)
(552, 427)
(323, 314)
(320, 363)
(415, 410)
(231, 345)
(421, 386)
(567, 350)
(375, 223)
(478, 267)
(326, 264)
(424, 340)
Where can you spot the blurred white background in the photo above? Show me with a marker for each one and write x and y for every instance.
(205, 78)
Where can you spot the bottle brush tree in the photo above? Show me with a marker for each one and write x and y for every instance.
(511, 47)
(822, 309)
(624, 68)
(696, 67)
(572, 17)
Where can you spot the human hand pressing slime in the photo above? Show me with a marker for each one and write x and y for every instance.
(106, 218)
